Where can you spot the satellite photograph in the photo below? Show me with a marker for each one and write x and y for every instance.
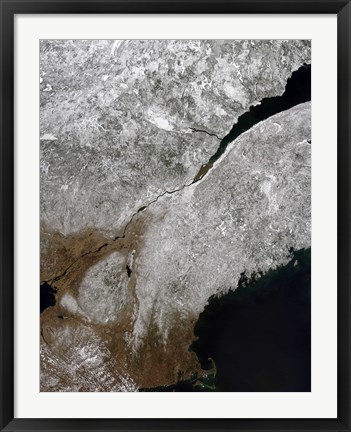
(175, 215)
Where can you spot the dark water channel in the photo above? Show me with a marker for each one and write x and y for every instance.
(297, 91)
(258, 336)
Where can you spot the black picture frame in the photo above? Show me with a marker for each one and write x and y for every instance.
(8, 10)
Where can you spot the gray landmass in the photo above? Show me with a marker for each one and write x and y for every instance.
(244, 216)
(116, 118)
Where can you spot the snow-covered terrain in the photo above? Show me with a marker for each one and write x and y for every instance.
(134, 247)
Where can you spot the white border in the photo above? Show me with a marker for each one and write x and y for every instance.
(321, 402)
